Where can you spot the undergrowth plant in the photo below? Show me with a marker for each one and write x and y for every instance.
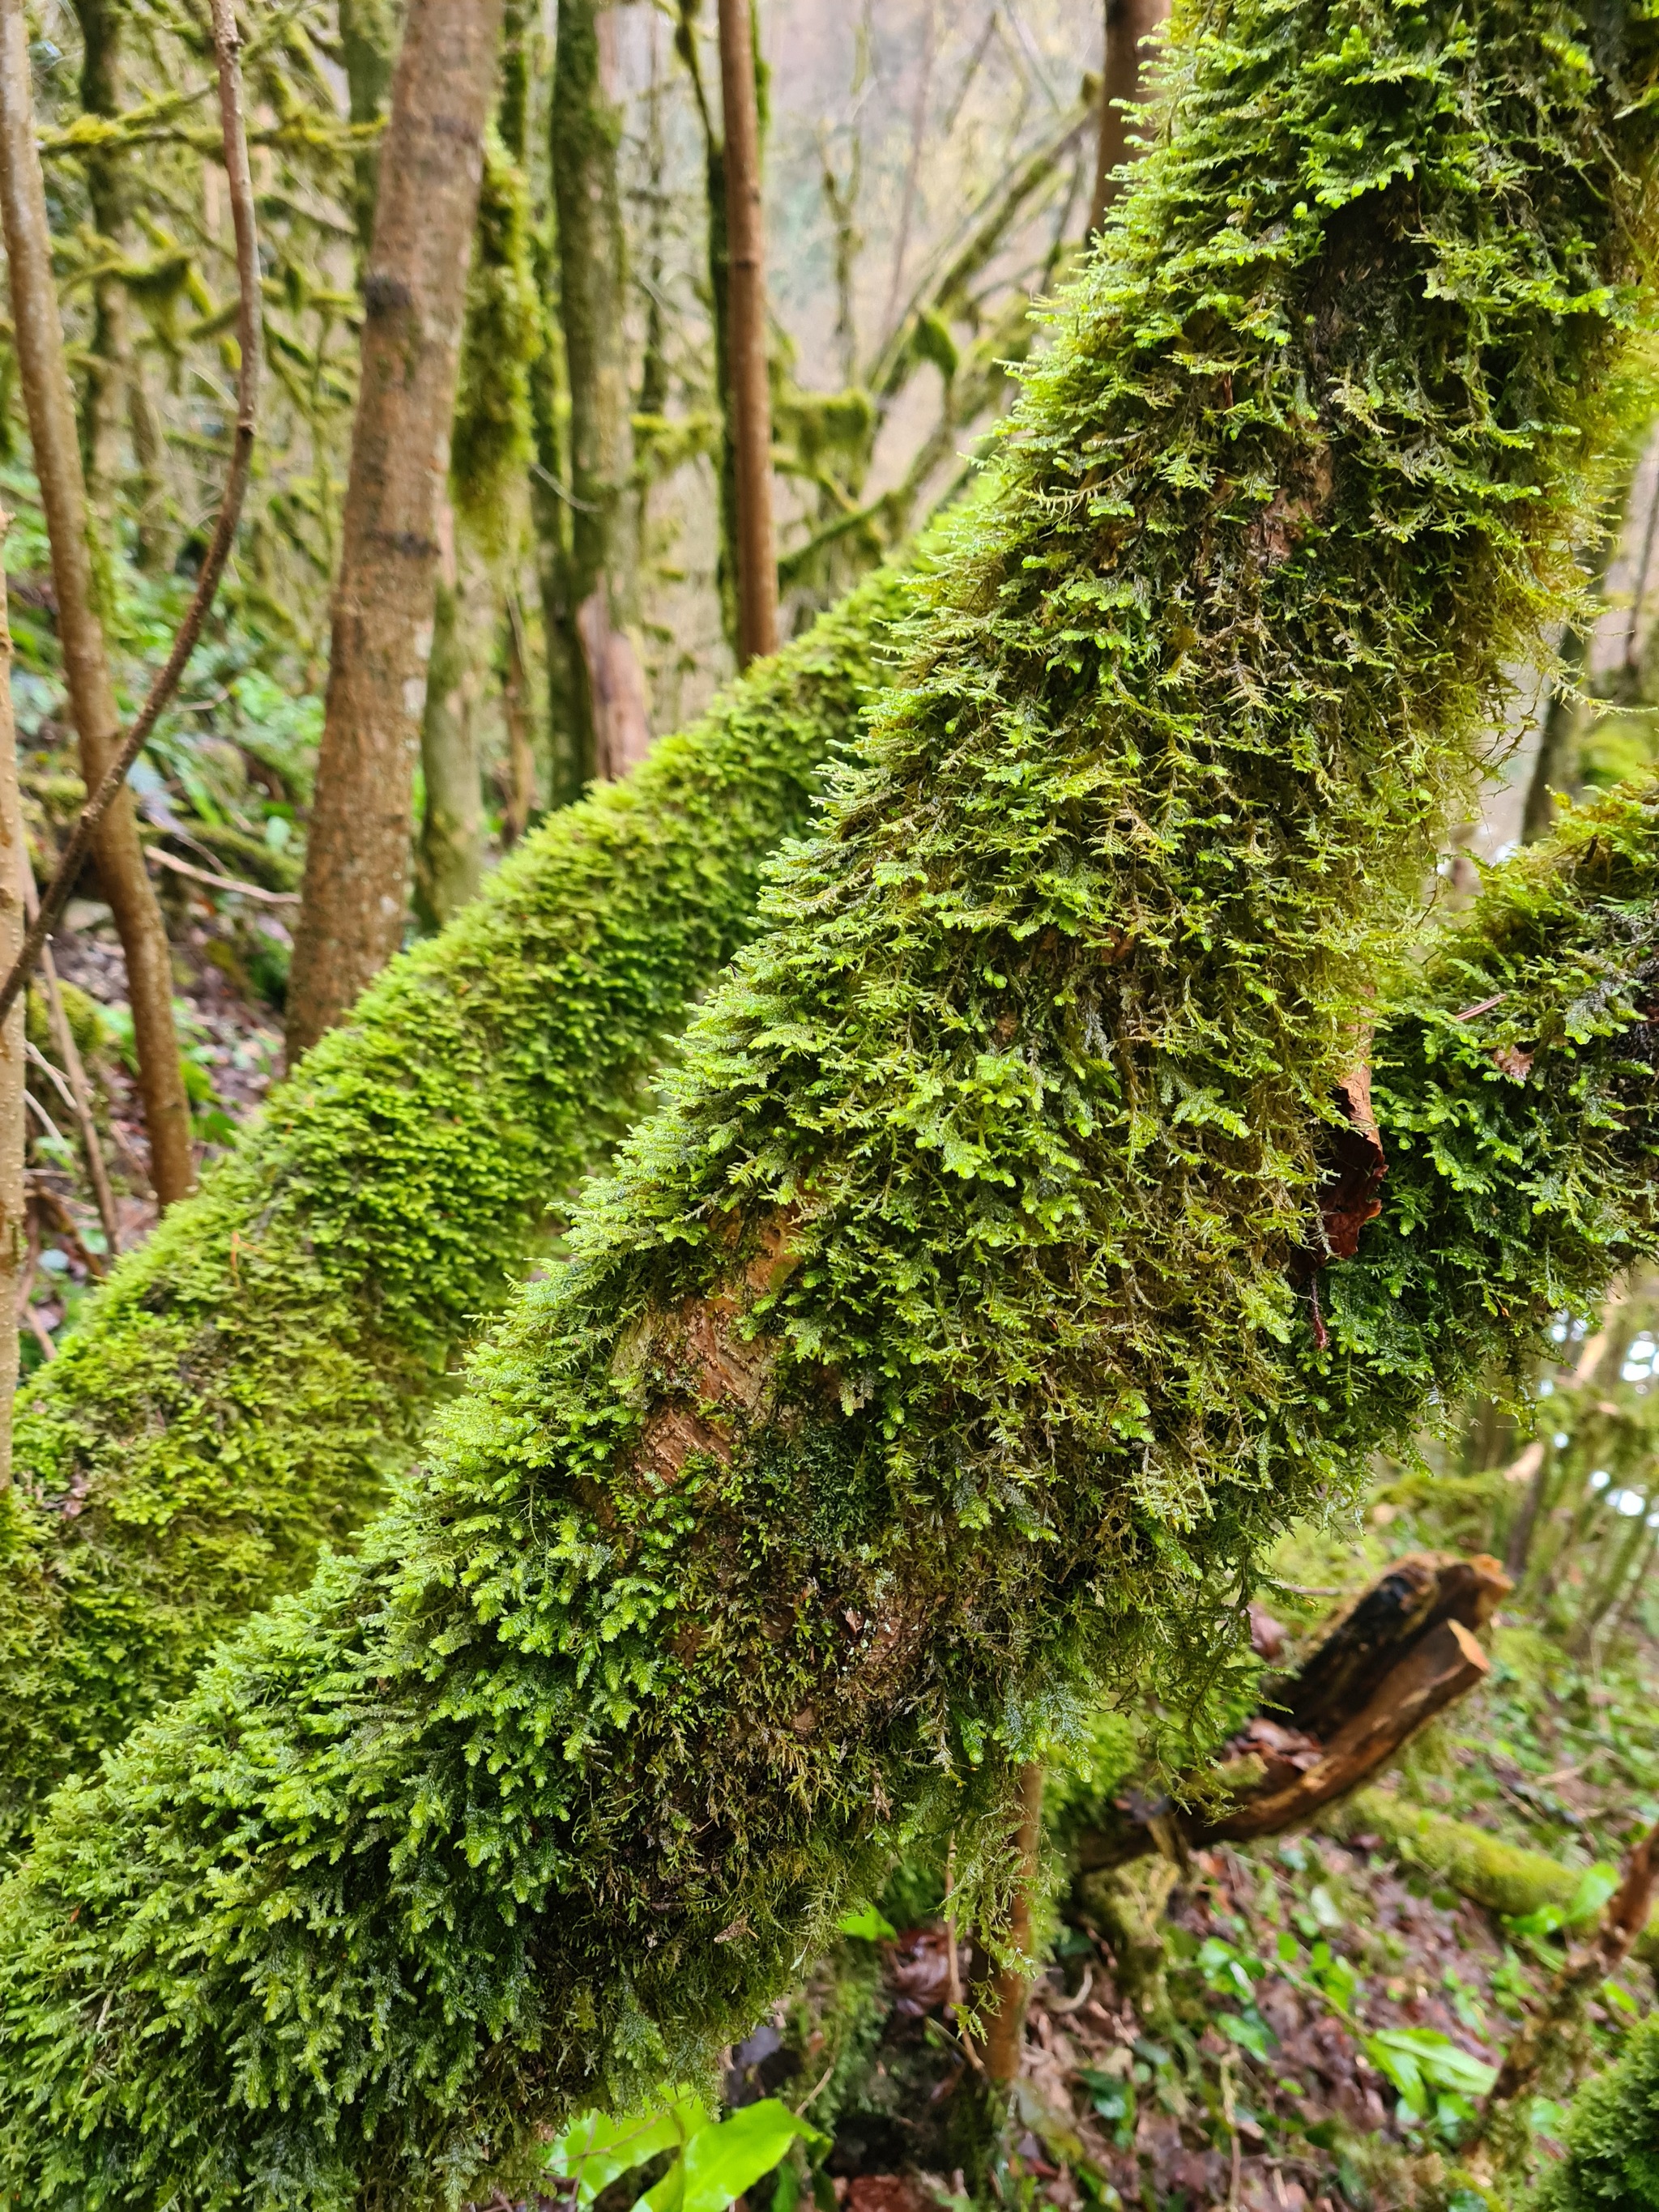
(944, 1346)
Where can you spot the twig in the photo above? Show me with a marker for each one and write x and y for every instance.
(226, 42)
(162, 859)
(42, 1334)
(46, 1119)
(63, 1037)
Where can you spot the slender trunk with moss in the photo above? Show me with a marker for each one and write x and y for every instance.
(613, 727)
(357, 858)
(720, 315)
(750, 400)
(109, 363)
(941, 1349)
(1130, 25)
(13, 866)
(368, 51)
(44, 368)
(449, 858)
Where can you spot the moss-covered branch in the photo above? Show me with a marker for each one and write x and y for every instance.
(934, 1351)
(248, 1382)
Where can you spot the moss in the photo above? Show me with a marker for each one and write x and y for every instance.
(502, 334)
(934, 1353)
(1501, 1876)
(1612, 2163)
(250, 1380)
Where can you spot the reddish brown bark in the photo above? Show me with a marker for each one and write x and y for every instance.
(55, 436)
(351, 920)
(1129, 24)
(1004, 2032)
(751, 393)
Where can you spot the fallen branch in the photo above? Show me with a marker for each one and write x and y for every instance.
(160, 858)
(226, 42)
(1401, 1652)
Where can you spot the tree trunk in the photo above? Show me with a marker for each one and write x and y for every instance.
(42, 364)
(414, 291)
(106, 402)
(936, 1350)
(14, 864)
(1004, 2033)
(751, 392)
(1129, 25)
(613, 730)
(449, 861)
(720, 310)
(369, 47)
(505, 1058)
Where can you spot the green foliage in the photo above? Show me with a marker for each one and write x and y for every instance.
(933, 1354)
(713, 2161)
(250, 1379)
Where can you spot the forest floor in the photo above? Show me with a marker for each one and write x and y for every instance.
(1304, 1983)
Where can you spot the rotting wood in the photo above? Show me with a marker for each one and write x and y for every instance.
(1401, 1651)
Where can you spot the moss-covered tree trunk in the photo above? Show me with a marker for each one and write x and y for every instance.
(613, 732)
(249, 1383)
(369, 50)
(937, 1352)
(449, 854)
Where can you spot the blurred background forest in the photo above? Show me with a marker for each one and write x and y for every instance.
(1311, 2020)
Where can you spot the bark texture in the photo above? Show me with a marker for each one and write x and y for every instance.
(122, 874)
(612, 732)
(414, 294)
(1129, 27)
(933, 1355)
(751, 398)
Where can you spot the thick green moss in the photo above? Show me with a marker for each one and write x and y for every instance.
(935, 1350)
(245, 1388)
(1612, 2138)
(1515, 1090)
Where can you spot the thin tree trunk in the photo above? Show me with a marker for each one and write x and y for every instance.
(45, 373)
(1004, 2031)
(14, 861)
(368, 47)
(75, 1073)
(109, 365)
(449, 862)
(413, 292)
(520, 749)
(1129, 24)
(750, 394)
(613, 727)
(720, 310)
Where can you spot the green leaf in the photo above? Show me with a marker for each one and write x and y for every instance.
(1595, 1885)
(1250, 2031)
(722, 2162)
(595, 2148)
(868, 1923)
